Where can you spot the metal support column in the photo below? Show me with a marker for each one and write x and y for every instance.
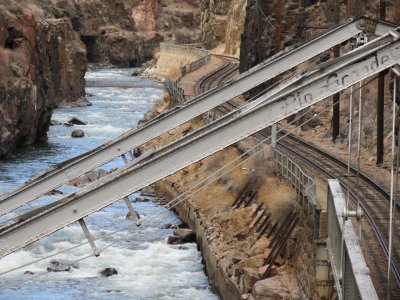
(273, 136)
(132, 214)
(336, 105)
(89, 237)
(381, 100)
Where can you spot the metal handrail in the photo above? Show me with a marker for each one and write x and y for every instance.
(302, 182)
(352, 276)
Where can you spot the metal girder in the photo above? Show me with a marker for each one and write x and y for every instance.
(278, 64)
(195, 146)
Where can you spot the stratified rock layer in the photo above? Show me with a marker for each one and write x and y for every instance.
(128, 32)
(222, 25)
(42, 63)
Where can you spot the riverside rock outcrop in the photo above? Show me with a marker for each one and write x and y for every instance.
(42, 63)
(45, 45)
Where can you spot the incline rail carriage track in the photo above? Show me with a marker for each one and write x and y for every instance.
(374, 199)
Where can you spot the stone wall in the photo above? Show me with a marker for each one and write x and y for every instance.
(174, 57)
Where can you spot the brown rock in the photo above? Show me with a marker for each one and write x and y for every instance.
(76, 121)
(56, 266)
(186, 235)
(174, 240)
(238, 258)
(55, 123)
(273, 272)
(43, 62)
(252, 262)
(77, 133)
(279, 261)
(250, 277)
(281, 287)
(28, 273)
(259, 247)
(107, 272)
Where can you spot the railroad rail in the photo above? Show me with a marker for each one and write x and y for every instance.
(373, 201)
(215, 79)
(375, 198)
(286, 99)
(283, 61)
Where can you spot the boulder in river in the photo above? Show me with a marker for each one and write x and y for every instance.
(174, 240)
(28, 273)
(77, 133)
(135, 72)
(55, 123)
(166, 226)
(186, 235)
(56, 266)
(81, 102)
(107, 272)
(76, 121)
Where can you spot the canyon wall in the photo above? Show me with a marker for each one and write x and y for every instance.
(271, 26)
(42, 63)
(128, 32)
(45, 45)
(222, 25)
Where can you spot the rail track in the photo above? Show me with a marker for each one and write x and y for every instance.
(227, 72)
(374, 199)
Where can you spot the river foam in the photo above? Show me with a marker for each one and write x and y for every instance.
(148, 268)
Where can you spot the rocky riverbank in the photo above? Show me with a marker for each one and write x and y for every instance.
(45, 46)
(43, 63)
(234, 252)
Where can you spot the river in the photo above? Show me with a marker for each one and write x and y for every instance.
(148, 268)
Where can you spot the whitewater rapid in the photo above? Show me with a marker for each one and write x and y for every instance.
(148, 268)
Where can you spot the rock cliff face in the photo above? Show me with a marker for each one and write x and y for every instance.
(222, 25)
(42, 63)
(271, 26)
(45, 44)
(127, 33)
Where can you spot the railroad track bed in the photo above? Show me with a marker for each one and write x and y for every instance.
(373, 196)
(226, 73)
(373, 200)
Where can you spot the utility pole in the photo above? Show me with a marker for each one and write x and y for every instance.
(381, 99)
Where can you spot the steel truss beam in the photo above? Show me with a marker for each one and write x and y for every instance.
(265, 71)
(313, 87)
